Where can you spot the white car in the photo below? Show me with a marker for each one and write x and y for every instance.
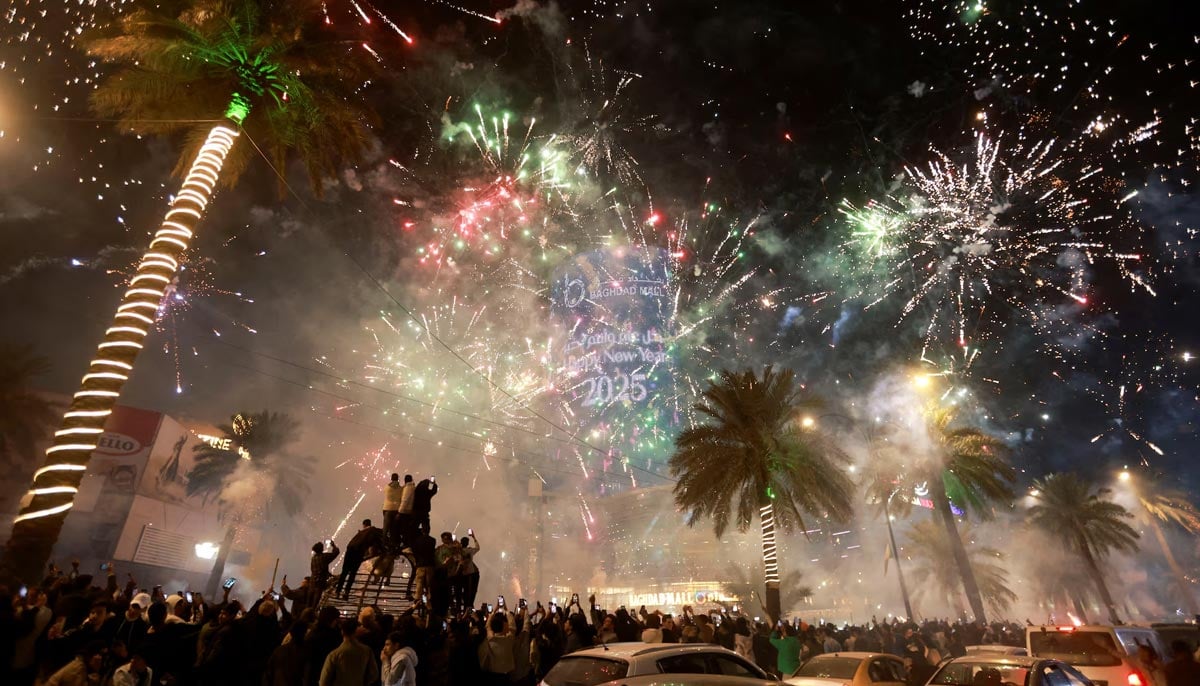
(850, 669)
(997, 649)
(1105, 654)
(618, 662)
(984, 668)
(689, 680)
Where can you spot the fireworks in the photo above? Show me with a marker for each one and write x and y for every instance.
(1018, 227)
(192, 288)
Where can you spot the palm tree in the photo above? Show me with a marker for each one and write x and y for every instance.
(258, 478)
(1083, 519)
(25, 417)
(967, 470)
(1163, 505)
(211, 71)
(741, 585)
(935, 564)
(754, 456)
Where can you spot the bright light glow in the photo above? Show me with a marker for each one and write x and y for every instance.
(1124, 475)
(207, 550)
(146, 291)
(38, 514)
(808, 422)
(921, 381)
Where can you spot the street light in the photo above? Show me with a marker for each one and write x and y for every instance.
(1124, 475)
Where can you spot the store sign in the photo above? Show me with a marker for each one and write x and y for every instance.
(225, 444)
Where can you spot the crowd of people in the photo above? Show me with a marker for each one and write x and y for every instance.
(72, 630)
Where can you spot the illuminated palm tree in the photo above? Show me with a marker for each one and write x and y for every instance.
(213, 72)
(1086, 522)
(935, 564)
(256, 478)
(754, 456)
(25, 417)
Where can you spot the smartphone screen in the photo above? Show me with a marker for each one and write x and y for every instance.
(230, 582)
(188, 596)
(23, 592)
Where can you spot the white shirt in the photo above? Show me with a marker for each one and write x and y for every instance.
(401, 669)
(124, 676)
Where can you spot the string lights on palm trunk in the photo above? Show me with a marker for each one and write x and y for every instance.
(55, 483)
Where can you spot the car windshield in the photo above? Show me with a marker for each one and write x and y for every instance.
(1079, 648)
(585, 671)
(831, 667)
(979, 673)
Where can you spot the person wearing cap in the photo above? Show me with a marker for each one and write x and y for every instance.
(136, 672)
(131, 629)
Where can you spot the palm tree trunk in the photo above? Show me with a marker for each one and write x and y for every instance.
(766, 515)
(1093, 568)
(896, 553)
(56, 482)
(1188, 599)
(941, 502)
(213, 590)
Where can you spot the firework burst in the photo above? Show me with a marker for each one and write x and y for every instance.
(1016, 227)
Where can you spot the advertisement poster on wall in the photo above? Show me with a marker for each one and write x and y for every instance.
(171, 461)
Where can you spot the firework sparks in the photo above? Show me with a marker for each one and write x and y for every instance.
(1010, 229)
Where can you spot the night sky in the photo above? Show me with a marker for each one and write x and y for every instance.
(775, 111)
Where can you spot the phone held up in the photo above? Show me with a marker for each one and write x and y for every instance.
(229, 582)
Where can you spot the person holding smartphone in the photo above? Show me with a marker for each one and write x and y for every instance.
(319, 567)
(469, 574)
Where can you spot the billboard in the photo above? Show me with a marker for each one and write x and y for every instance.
(613, 308)
(171, 460)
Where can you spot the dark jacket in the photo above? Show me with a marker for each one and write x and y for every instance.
(319, 565)
(318, 644)
(364, 540)
(423, 551)
(423, 497)
(286, 666)
(132, 633)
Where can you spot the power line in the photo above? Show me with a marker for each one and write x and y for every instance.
(412, 436)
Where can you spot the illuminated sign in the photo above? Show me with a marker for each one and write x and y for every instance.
(225, 444)
(615, 305)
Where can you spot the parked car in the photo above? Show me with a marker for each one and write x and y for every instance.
(1169, 632)
(689, 680)
(850, 669)
(1105, 654)
(983, 669)
(998, 649)
(619, 661)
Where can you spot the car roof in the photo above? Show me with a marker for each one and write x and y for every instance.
(638, 648)
(859, 655)
(1086, 627)
(999, 659)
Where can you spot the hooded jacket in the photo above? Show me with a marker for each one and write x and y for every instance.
(391, 496)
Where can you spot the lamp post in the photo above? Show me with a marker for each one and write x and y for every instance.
(809, 422)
